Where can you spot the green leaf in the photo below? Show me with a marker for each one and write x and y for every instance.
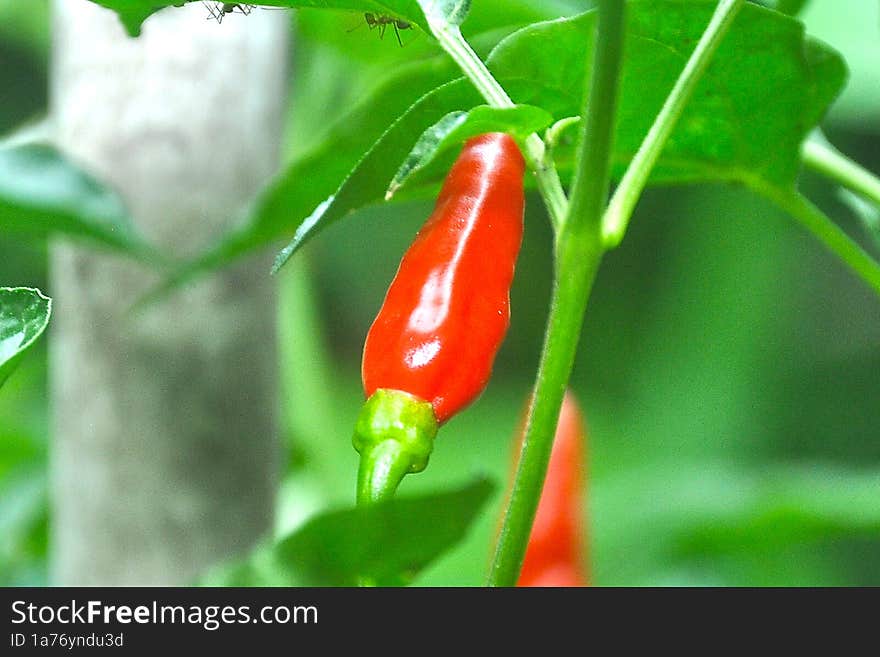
(767, 86)
(386, 543)
(132, 13)
(42, 192)
(456, 127)
(369, 179)
(24, 315)
(452, 12)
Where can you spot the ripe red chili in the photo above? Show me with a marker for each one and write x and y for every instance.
(555, 553)
(447, 309)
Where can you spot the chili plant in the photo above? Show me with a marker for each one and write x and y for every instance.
(635, 93)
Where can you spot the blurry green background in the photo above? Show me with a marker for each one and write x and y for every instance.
(729, 367)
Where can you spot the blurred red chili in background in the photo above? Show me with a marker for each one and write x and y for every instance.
(556, 554)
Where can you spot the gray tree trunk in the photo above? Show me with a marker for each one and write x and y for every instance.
(165, 455)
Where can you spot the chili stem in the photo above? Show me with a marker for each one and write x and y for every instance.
(546, 175)
(579, 252)
(620, 209)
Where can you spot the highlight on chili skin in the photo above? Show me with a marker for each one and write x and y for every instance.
(429, 353)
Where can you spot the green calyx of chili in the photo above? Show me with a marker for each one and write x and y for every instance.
(394, 435)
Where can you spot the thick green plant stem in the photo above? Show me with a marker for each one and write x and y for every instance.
(578, 263)
(823, 158)
(549, 184)
(579, 252)
(633, 183)
(832, 236)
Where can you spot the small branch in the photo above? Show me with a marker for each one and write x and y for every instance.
(823, 158)
(627, 194)
(828, 233)
(452, 41)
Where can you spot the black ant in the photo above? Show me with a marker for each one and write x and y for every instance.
(382, 21)
(221, 9)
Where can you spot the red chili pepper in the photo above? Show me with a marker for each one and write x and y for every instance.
(448, 308)
(430, 350)
(555, 553)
